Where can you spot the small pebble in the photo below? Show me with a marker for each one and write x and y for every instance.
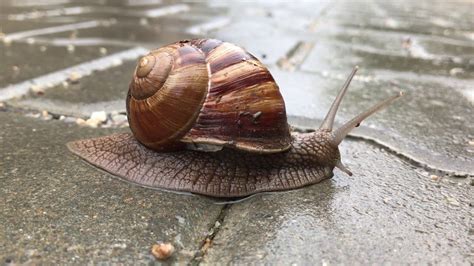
(92, 123)
(100, 116)
(73, 35)
(96, 119)
(70, 119)
(119, 246)
(162, 251)
(406, 43)
(34, 115)
(117, 62)
(37, 89)
(71, 48)
(103, 50)
(7, 41)
(119, 119)
(434, 177)
(456, 71)
(80, 122)
(144, 22)
(452, 201)
(471, 142)
(74, 77)
(32, 253)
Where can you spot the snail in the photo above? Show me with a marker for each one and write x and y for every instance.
(208, 118)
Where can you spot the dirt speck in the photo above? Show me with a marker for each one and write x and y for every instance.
(162, 251)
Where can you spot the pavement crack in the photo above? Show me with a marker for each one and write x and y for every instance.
(207, 241)
(409, 158)
(406, 156)
(295, 56)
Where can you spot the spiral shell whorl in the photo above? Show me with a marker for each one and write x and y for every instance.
(166, 94)
(150, 75)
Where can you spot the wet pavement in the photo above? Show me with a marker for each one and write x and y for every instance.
(56, 209)
(409, 201)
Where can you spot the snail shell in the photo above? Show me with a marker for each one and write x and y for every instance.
(206, 92)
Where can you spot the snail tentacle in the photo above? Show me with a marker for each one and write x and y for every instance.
(344, 130)
(328, 121)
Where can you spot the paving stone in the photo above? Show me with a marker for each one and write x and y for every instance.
(268, 48)
(363, 32)
(263, 28)
(108, 85)
(155, 25)
(17, 60)
(56, 209)
(432, 123)
(439, 17)
(153, 32)
(78, 110)
(388, 212)
(349, 48)
(9, 26)
(429, 126)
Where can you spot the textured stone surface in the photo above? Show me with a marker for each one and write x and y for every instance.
(56, 209)
(387, 212)
(425, 54)
(19, 60)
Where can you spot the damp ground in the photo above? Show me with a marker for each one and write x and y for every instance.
(65, 70)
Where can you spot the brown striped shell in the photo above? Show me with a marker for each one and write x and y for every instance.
(206, 92)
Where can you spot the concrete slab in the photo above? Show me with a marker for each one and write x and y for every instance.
(57, 209)
(9, 26)
(386, 213)
(433, 122)
(269, 48)
(430, 124)
(269, 30)
(107, 85)
(23, 61)
(151, 32)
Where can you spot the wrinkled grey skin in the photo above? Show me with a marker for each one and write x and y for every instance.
(226, 173)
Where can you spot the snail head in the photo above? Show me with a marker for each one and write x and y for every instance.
(330, 139)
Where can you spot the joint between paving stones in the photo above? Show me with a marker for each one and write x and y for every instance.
(206, 243)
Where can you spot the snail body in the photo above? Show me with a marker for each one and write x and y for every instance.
(214, 96)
